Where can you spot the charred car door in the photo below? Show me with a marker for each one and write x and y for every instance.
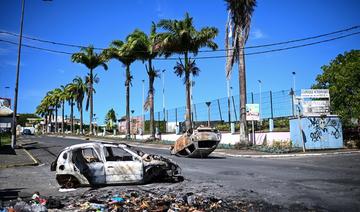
(89, 164)
(121, 166)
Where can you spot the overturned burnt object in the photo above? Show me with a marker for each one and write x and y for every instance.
(109, 163)
(197, 144)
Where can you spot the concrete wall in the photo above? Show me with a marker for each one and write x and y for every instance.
(318, 132)
(228, 138)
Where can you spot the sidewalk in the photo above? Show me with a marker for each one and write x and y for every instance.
(14, 158)
(221, 152)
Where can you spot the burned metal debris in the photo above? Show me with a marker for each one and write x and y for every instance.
(108, 163)
(197, 144)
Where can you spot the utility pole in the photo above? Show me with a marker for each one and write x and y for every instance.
(13, 126)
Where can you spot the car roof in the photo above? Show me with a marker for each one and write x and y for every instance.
(96, 144)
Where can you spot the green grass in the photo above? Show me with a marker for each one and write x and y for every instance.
(5, 139)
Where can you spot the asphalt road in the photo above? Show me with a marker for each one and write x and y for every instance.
(318, 182)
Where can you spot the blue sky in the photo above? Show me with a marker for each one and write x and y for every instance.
(100, 22)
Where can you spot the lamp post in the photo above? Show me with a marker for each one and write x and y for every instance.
(294, 75)
(228, 95)
(142, 106)
(208, 105)
(163, 91)
(293, 93)
(260, 82)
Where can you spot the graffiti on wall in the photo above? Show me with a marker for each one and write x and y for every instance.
(322, 125)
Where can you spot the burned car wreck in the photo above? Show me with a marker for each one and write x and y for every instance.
(108, 163)
(197, 144)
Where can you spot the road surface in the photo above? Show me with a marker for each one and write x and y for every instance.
(318, 182)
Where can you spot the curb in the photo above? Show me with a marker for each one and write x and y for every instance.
(287, 155)
(225, 154)
(35, 162)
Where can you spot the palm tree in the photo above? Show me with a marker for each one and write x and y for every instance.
(63, 96)
(56, 101)
(53, 97)
(146, 45)
(181, 37)
(126, 53)
(239, 24)
(91, 60)
(43, 110)
(70, 97)
(80, 89)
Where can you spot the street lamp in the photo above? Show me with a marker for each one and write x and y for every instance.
(142, 107)
(260, 82)
(132, 114)
(208, 105)
(294, 73)
(163, 91)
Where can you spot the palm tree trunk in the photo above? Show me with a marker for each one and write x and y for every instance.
(151, 98)
(46, 123)
(72, 115)
(56, 123)
(242, 86)
(91, 101)
(81, 119)
(127, 85)
(62, 118)
(188, 123)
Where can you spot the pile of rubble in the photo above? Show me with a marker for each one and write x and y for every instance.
(129, 200)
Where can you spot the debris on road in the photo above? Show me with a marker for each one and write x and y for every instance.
(197, 144)
(134, 200)
(108, 163)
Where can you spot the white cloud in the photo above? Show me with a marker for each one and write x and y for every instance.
(257, 34)
(61, 71)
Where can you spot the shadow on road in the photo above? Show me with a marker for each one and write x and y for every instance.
(7, 150)
(9, 193)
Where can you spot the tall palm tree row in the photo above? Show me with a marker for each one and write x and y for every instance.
(176, 37)
(181, 37)
(91, 60)
(238, 27)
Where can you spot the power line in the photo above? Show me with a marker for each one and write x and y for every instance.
(247, 47)
(35, 47)
(204, 57)
(272, 50)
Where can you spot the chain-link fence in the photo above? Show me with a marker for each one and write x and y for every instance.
(225, 110)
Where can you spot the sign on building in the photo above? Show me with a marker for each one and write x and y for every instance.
(315, 93)
(320, 107)
(252, 112)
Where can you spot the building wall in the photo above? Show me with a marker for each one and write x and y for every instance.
(318, 132)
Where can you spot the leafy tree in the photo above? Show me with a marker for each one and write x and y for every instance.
(342, 77)
(22, 120)
(240, 12)
(181, 37)
(91, 60)
(110, 119)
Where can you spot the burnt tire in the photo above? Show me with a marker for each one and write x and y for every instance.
(68, 181)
